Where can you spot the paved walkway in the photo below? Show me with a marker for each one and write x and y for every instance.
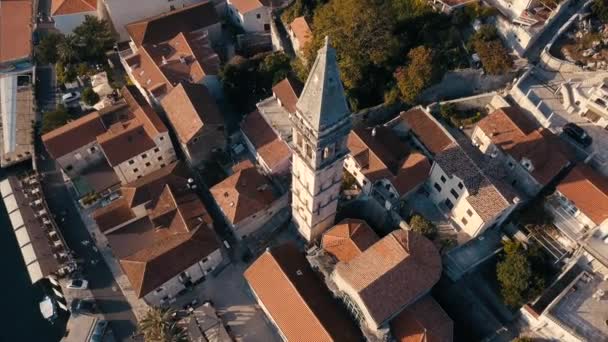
(138, 306)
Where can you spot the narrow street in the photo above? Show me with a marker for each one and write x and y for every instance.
(106, 291)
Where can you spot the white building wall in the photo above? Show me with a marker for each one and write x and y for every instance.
(124, 12)
(172, 287)
(353, 168)
(154, 159)
(252, 21)
(67, 23)
(253, 223)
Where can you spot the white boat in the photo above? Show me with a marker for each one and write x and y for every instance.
(48, 309)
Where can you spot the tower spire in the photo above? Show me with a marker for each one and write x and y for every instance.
(322, 102)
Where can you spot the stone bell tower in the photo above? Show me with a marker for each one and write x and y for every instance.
(321, 126)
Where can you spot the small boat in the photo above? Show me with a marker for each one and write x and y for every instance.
(48, 309)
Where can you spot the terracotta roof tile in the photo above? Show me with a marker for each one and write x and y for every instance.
(15, 29)
(382, 155)
(167, 25)
(430, 132)
(588, 190)
(244, 6)
(295, 298)
(348, 239)
(73, 135)
(243, 194)
(189, 108)
(271, 148)
(287, 92)
(65, 7)
(174, 234)
(302, 31)
(392, 273)
(423, 321)
(516, 134)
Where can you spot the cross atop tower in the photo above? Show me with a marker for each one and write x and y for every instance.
(321, 126)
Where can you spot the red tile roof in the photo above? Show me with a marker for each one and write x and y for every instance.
(519, 136)
(302, 31)
(392, 273)
(174, 234)
(287, 92)
(65, 7)
(15, 29)
(243, 194)
(189, 108)
(73, 135)
(348, 239)
(167, 25)
(423, 321)
(588, 190)
(244, 6)
(430, 132)
(295, 298)
(382, 155)
(264, 139)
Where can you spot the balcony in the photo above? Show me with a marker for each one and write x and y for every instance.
(564, 218)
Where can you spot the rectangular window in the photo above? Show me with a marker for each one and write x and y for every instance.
(144, 156)
(464, 221)
(437, 187)
(135, 170)
(469, 212)
(443, 179)
(160, 158)
(156, 150)
(159, 290)
(449, 204)
(148, 164)
(69, 168)
(454, 193)
(258, 16)
(131, 162)
(460, 185)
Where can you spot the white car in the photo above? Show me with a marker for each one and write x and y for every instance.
(70, 97)
(78, 284)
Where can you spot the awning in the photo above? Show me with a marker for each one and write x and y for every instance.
(29, 256)
(35, 272)
(23, 238)
(5, 188)
(16, 219)
(11, 203)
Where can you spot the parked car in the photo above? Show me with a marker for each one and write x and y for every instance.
(84, 305)
(577, 134)
(78, 284)
(99, 331)
(70, 97)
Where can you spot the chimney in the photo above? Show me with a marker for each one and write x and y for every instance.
(374, 132)
(182, 59)
(164, 60)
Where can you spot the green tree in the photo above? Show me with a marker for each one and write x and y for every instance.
(600, 9)
(275, 67)
(94, 38)
(519, 281)
(54, 119)
(361, 33)
(82, 69)
(406, 9)
(421, 225)
(89, 96)
(158, 325)
(65, 73)
(46, 51)
(417, 75)
(494, 57)
(67, 49)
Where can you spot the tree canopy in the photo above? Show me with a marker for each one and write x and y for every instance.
(54, 119)
(46, 51)
(494, 56)
(158, 325)
(421, 225)
(361, 33)
(520, 273)
(249, 80)
(600, 9)
(94, 38)
(89, 96)
(418, 74)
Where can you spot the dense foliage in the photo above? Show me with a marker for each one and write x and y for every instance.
(520, 273)
(423, 226)
(600, 9)
(417, 74)
(494, 56)
(89, 97)
(247, 81)
(55, 119)
(158, 325)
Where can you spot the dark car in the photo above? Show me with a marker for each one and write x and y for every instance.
(577, 134)
(99, 331)
(84, 305)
